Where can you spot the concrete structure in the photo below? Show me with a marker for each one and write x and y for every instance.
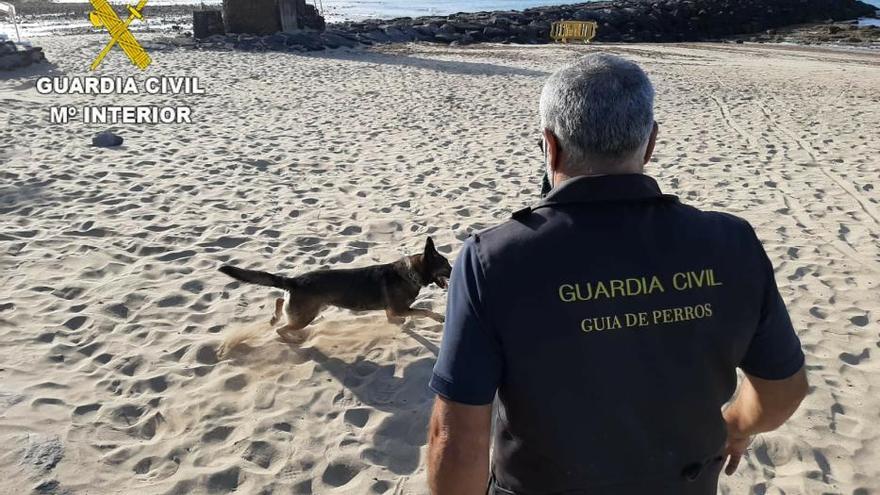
(270, 16)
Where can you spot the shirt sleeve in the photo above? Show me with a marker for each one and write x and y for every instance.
(468, 369)
(774, 352)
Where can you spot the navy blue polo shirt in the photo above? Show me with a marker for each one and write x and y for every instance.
(610, 320)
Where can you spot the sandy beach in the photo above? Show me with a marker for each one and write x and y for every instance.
(112, 311)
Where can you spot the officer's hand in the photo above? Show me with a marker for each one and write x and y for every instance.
(736, 447)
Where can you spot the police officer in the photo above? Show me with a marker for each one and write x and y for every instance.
(610, 319)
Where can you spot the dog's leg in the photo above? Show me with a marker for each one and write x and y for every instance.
(279, 304)
(298, 317)
(415, 312)
(393, 317)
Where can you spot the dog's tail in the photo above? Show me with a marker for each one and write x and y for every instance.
(259, 278)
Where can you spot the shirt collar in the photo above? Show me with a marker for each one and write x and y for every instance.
(625, 187)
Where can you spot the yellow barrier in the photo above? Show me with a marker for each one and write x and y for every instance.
(564, 31)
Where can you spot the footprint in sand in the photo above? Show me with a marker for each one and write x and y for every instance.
(143, 466)
(85, 411)
(855, 359)
(357, 417)
(103, 358)
(860, 320)
(340, 473)
(224, 481)
(75, 323)
(260, 453)
(217, 434)
(235, 383)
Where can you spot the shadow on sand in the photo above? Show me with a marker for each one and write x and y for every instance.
(29, 74)
(397, 441)
(447, 66)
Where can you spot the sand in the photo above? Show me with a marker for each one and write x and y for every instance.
(111, 309)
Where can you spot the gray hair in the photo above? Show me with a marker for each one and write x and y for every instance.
(601, 106)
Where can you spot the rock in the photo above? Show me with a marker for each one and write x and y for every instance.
(398, 35)
(447, 29)
(424, 32)
(377, 36)
(106, 139)
(463, 26)
(308, 41)
(493, 32)
(464, 40)
(275, 42)
(14, 56)
(36, 55)
(446, 37)
(497, 20)
(336, 40)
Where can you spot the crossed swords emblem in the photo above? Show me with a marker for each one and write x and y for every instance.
(104, 15)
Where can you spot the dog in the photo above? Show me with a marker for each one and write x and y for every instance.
(391, 286)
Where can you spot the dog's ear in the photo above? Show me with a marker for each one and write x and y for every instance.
(429, 247)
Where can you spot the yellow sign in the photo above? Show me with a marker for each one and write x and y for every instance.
(104, 15)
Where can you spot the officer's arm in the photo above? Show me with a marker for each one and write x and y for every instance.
(458, 448)
(775, 381)
(764, 405)
(761, 405)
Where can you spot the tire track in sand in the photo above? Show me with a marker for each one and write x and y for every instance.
(807, 148)
(792, 204)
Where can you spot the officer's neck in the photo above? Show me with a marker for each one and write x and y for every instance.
(566, 175)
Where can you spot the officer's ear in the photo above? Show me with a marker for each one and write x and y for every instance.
(552, 150)
(651, 142)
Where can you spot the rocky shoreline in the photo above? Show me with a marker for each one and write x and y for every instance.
(619, 21)
(799, 21)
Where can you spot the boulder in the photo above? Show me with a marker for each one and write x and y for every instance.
(494, 32)
(14, 56)
(398, 35)
(446, 37)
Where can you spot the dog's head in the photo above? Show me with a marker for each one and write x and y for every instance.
(436, 267)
